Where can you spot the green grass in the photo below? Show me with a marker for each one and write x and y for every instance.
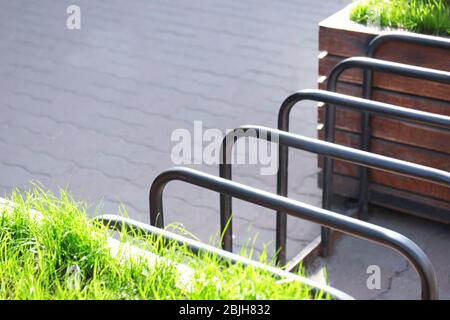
(61, 254)
(422, 16)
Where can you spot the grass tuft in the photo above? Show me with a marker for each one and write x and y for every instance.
(421, 16)
(58, 253)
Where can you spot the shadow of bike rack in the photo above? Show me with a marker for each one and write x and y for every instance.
(328, 97)
(348, 225)
(119, 223)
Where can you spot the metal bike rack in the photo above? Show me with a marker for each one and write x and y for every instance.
(330, 112)
(378, 42)
(120, 223)
(328, 149)
(348, 225)
(370, 106)
(373, 65)
(374, 45)
(285, 206)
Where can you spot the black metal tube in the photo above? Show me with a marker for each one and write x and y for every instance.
(330, 112)
(376, 107)
(226, 225)
(409, 37)
(350, 226)
(386, 66)
(328, 149)
(342, 100)
(119, 223)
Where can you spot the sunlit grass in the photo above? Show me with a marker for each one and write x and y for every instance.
(58, 253)
(422, 16)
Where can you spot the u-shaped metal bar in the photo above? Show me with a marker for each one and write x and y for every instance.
(351, 226)
(408, 37)
(330, 113)
(331, 150)
(341, 100)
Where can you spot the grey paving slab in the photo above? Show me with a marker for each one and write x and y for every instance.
(92, 110)
(347, 267)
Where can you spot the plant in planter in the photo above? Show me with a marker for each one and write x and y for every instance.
(422, 16)
(49, 249)
(348, 33)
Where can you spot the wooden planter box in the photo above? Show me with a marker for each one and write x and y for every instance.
(340, 38)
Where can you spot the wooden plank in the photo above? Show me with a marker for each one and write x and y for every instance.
(425, 88)
(392, 180)
(428, 57)
(418, 205)
(397, 182)
(411, 185)
(337, 30)
(331, 40)
(399, 99)
(341, 37)
(421, 156)
(350, 43)
(403, 132)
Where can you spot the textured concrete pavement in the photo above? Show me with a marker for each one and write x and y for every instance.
(93, 109)
(347, 268)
